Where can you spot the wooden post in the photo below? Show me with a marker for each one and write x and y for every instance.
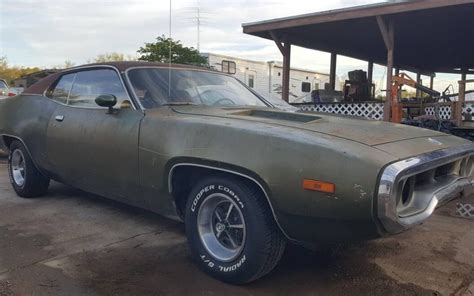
(397, 72)
(388, 101)
(286, 73)
(370, 74)
(332, 71)
(388, 34)
(431, 82)
(461, 98)
(418, 79)
(285, 48)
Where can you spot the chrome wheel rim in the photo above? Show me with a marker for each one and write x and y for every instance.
(18, 167)
(221, 227)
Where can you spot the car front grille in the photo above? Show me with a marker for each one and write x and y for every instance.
(410, 189)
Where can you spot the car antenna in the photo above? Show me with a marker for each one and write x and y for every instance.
(169, 58)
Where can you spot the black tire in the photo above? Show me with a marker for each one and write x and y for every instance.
(33, 183)
(263, 245)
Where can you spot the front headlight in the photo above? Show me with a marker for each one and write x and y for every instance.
(405, 192)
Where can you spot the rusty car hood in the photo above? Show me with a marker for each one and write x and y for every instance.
(368, 132)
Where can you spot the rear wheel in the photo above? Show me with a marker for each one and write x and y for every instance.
(231, 231)
(25, 178)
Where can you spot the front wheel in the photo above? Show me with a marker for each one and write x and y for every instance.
(231, 231)
(25, 178)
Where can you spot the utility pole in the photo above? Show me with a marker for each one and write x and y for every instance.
(198, 26)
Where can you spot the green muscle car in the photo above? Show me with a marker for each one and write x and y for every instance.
(245, 176)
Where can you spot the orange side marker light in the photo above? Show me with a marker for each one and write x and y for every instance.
(315, 185)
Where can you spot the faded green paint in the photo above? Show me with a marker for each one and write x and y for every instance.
(127, 156)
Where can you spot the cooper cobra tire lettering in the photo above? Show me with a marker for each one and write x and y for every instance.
(207, 261)
(199, 195)
(221, 268)
(232, 194)
(262, 245)
(232, 267)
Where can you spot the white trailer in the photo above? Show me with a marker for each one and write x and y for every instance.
(266, 77)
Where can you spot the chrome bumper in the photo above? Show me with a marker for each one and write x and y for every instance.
(426, 197)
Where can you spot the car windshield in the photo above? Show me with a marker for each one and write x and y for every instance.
(188, 87)
(3, 84)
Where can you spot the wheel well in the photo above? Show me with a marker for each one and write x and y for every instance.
(7, 140)
(183, 178)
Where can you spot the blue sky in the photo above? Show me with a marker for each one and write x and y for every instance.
(46, 33)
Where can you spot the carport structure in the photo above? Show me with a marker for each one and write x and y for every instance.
(421, 36)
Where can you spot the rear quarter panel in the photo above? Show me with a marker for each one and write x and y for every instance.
(27, 117)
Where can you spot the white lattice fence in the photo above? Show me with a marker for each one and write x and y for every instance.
(468, 109)
(367, 110)
(445, 111)
(465, 210)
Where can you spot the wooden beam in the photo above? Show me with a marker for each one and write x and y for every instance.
(347, 14)
(416, 70)
(459, 104)
(390, 31)
(452, 71)
(277, 42)
(387, 106)
(418, 79)
(370, 74)
(332, 71)
(384, 30)
(285, 48)
(461, 98)
(285, 92)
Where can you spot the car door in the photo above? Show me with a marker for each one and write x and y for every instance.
(89, 147)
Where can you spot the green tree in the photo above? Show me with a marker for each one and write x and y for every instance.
(10, 73)
(67, 64)
(112, 57)
(159, 51)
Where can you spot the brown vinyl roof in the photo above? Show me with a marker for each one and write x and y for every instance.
(122, 66)
(430, 35)
(45, 83)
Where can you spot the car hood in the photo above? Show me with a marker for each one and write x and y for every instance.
(368, 132)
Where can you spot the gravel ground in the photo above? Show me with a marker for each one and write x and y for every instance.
(71, 242)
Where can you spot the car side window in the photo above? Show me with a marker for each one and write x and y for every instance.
(90, 84)
(61, 91)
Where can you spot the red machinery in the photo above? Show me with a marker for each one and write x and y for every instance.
(397, 82)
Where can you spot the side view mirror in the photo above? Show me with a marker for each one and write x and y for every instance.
(108, 101)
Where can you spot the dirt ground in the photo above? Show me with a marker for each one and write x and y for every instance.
(71, 243)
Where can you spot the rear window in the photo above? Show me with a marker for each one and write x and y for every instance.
(3, 84)
(62, 89)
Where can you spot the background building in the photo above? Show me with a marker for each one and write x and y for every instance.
(266, 77)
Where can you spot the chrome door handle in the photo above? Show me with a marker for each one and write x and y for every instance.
(59, 118)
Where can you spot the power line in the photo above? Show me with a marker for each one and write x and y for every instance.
(198, 19)
(170, 55)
